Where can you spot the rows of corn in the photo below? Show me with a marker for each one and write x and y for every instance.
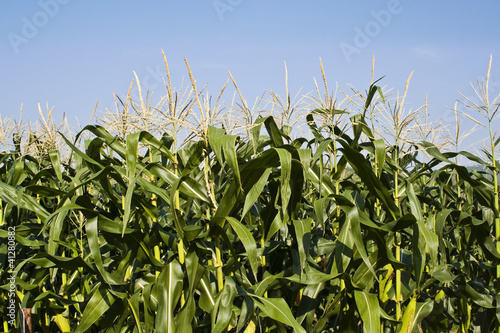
(338, 231)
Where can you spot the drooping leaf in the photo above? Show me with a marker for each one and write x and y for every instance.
(245, 236)
(277, 309)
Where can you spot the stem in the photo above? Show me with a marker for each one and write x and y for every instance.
(378, 174)
(263, 258)
(424, 186)
(2, 222)
(495, 184)
(154, 202)
(398, 282)
(262, 245)
(39, 221)
(397, 236)
(396, 185)
(64, 276)
(218, 264)
(180, 250)
(157, 255)
(156, 248)
(337, 181)
(180, 242)
(490, 118)
(210, 191)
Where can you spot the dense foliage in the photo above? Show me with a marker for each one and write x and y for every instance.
(341, 232)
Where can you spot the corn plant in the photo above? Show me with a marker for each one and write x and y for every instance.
(134, 231)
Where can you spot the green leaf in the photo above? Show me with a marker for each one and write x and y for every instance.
(422, 310)
(48, 261)
(277, 309)
(309, 301)
(267, 282)
(223, 310)
(148, 139)
(187, 185)
(93, 239)
(431, 239)
(276, 224)
(274, 132)
(45, 191)
(312, 276)
(443, 273)
(55, 159)
(195, 272)
(369, 310)
(169, 288)
(482, 299)
(133, 303)
(55, 231)
(207, 293)
(364, 170)
(344, 248)
(350, 236)
(127, 209)
(322, 181)
(253, 195)
(22, 200)
(256, 134)
(363, 276)
(132, 144)
(97, 306)
(432, 150)
(245, 236)
(62, 323)
(303, 234)
(219, 142)
(286, 170)
(379, 155)
(409, 316)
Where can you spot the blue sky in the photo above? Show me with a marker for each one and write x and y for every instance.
(72, 54)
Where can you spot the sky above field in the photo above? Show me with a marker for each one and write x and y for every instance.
(72, 54)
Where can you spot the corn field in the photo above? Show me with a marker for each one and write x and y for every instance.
(331, 214)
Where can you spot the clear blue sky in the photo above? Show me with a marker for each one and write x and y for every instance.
(73, 53)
